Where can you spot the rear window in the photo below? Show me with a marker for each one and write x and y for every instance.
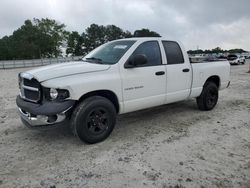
(173, 52)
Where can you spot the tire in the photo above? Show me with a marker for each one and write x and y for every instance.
(209, 97)
(94, 119)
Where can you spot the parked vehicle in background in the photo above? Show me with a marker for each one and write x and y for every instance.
(236, 59)
(118, 77)
(246, 55)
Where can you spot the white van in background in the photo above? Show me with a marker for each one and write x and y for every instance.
(236, 59)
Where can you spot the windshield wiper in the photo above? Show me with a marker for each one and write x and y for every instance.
(98, 60)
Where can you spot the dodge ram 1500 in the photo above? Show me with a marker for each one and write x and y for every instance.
(118, 77)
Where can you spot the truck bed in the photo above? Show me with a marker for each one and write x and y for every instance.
(201, 71)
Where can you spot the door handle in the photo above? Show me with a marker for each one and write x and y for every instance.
(159, 73)
(185, 70)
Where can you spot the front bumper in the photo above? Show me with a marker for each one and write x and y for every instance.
(43, 115)
(234, 62)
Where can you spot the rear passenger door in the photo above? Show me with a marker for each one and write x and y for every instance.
(179, 73)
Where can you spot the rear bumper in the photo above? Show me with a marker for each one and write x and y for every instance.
(43, 115)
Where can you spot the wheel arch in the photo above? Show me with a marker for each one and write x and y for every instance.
(108, 94)
(215, 79)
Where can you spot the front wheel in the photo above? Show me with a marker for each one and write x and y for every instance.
(209, 97)
(94, 119)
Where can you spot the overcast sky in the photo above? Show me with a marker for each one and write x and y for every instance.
(203, 23)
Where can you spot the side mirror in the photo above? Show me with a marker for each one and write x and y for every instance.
(136, 61)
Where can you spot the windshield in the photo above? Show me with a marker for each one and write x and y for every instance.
(232, 57)
(109, 53)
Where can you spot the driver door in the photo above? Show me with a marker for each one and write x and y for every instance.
(144, 86)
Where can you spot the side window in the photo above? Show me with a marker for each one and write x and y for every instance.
(151, 50)
(173, 52)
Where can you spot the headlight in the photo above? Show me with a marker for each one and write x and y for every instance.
(56, 94)
(53, 93)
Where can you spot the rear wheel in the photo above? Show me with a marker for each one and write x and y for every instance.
(94, 119)
(209, 96)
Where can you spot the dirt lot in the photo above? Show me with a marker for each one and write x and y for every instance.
(174, 145)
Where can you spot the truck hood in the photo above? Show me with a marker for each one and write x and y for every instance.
(65, 69)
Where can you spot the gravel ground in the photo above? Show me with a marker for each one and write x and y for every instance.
(174, 145)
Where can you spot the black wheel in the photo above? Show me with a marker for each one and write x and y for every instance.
(209, 96)
(94, 119)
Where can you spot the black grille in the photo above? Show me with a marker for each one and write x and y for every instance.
(31, 95)
(31, 83)
(30, 90)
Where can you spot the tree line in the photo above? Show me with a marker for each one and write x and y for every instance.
(216, 50)
(44, 38)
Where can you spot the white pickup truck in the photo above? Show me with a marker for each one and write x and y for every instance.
(118, 77)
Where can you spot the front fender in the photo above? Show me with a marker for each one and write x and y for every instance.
(80, 84)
